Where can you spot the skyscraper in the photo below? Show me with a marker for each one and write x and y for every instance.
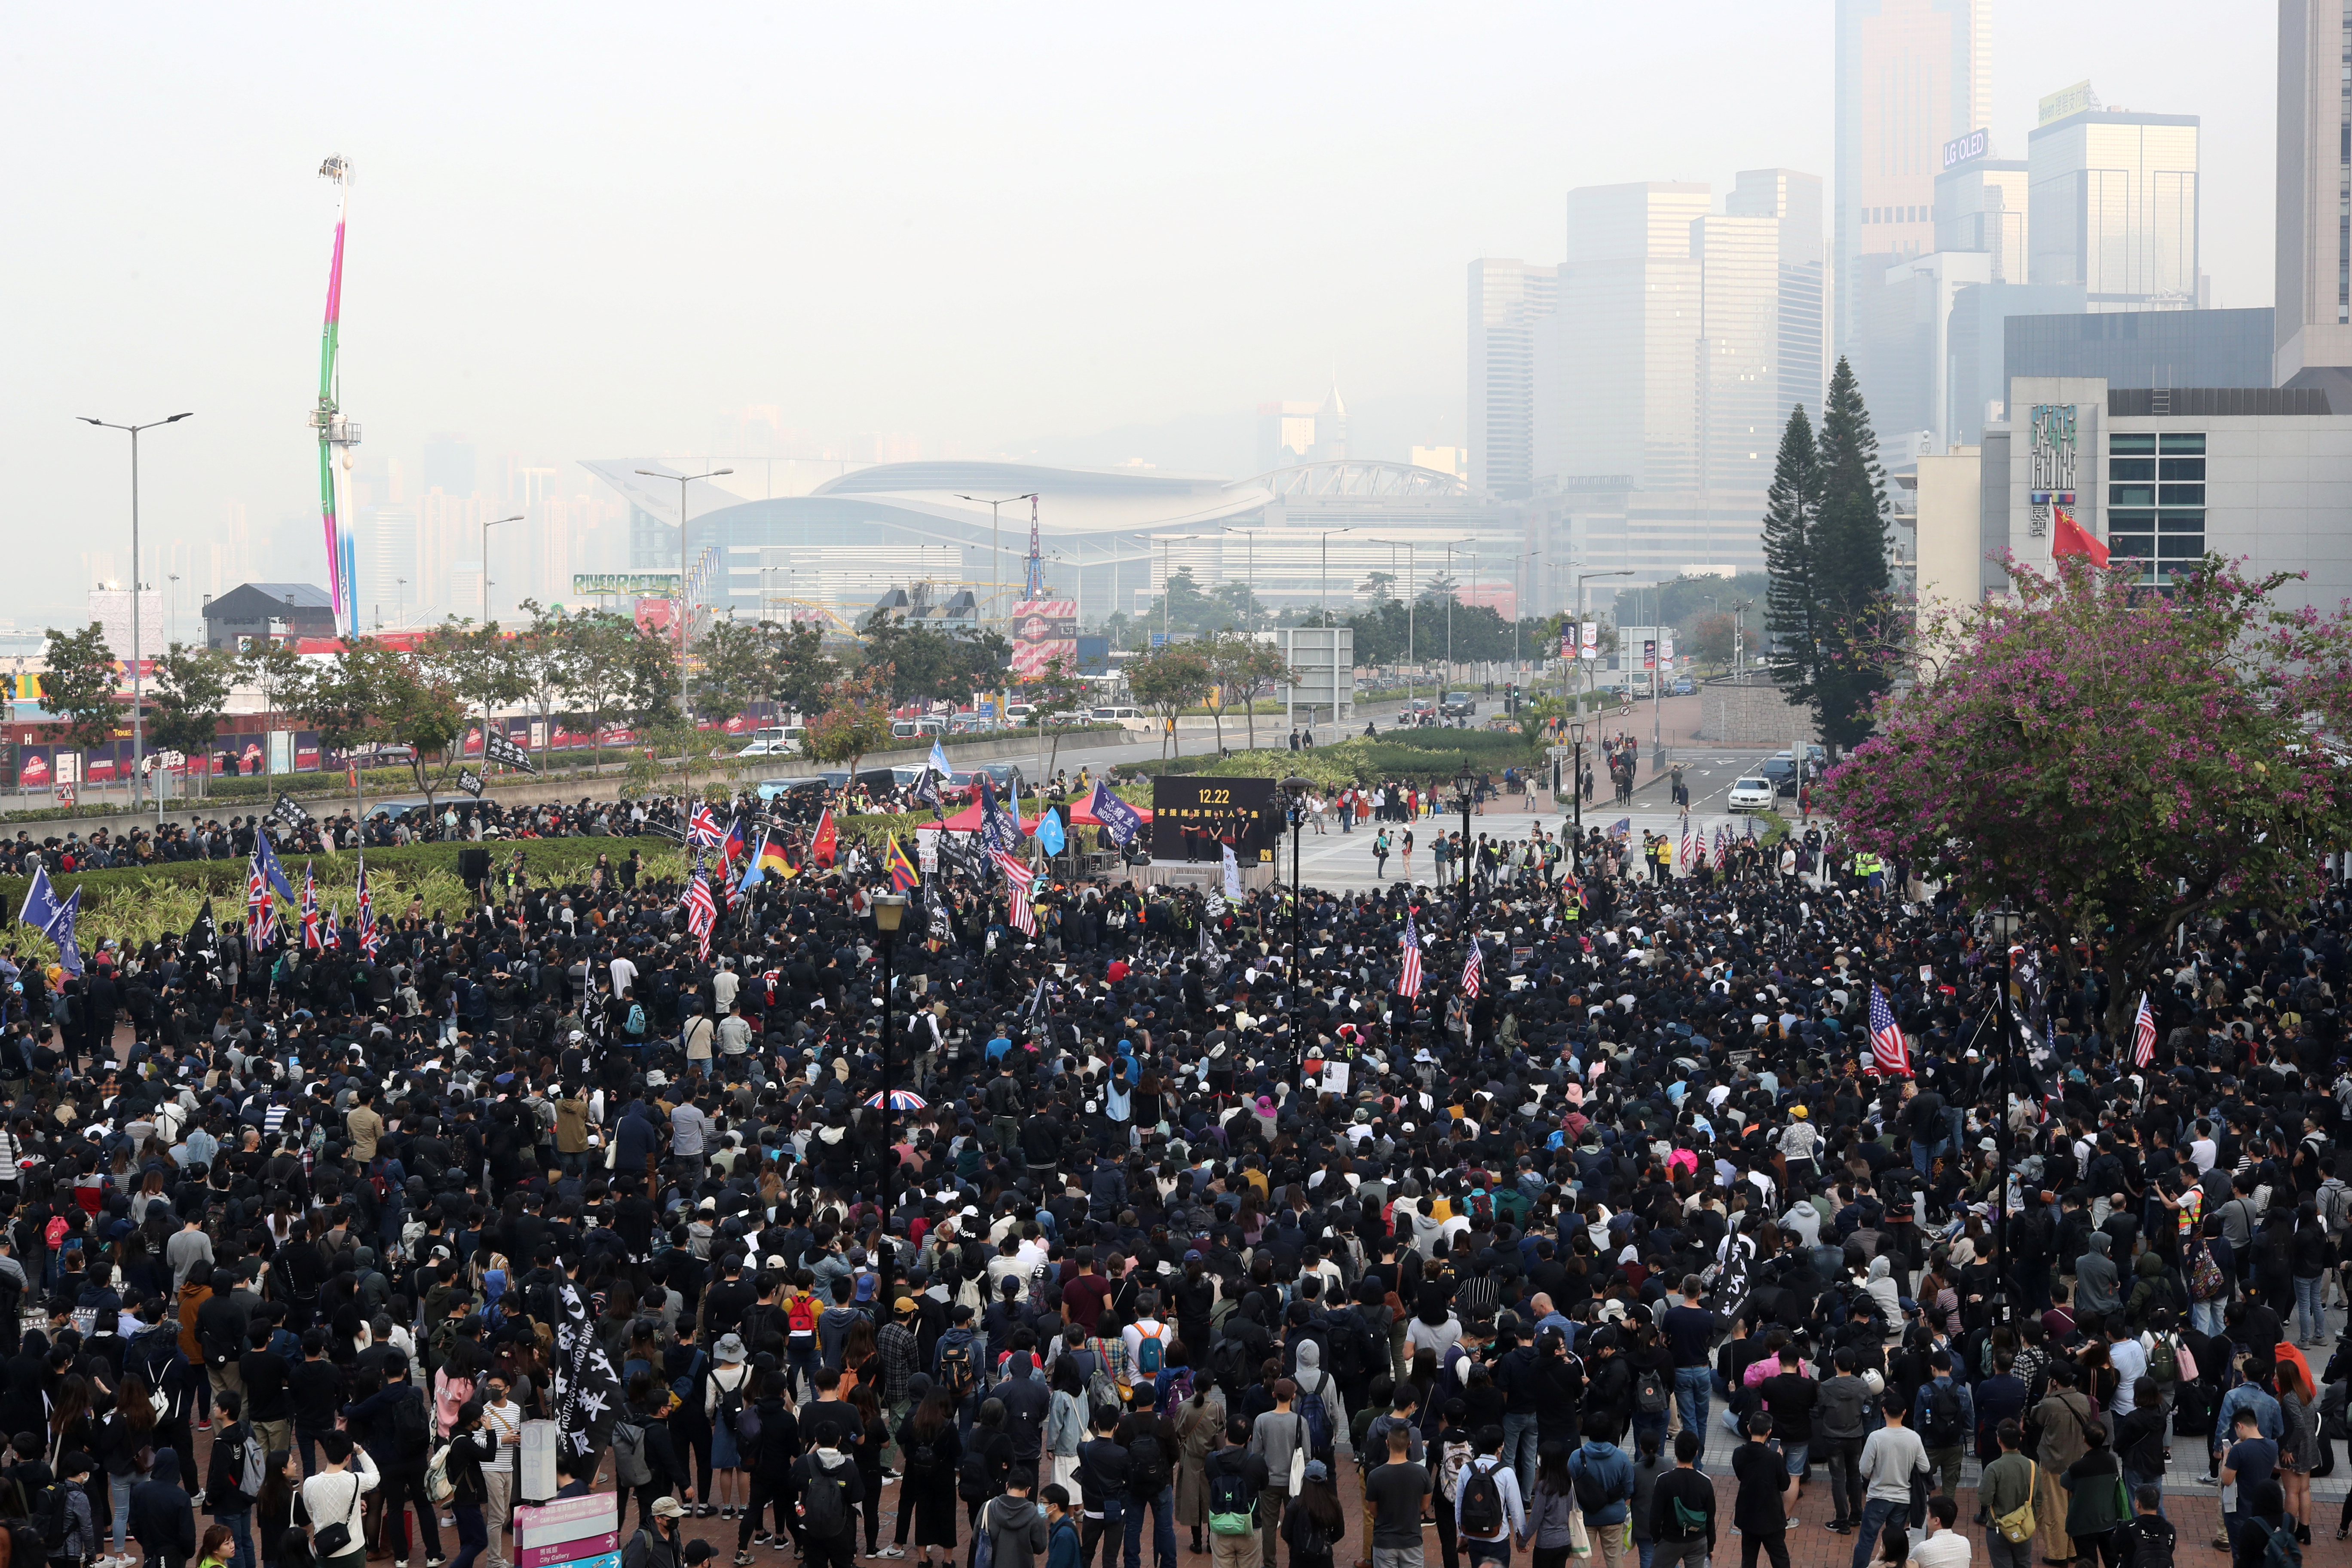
(2314, 299)
(1795, 199)
(1911, 76)
(2110, 199)
(1738, 367)
(1623, 398)
(1298, 432)
(1507, 298)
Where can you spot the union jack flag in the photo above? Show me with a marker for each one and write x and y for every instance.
(312, 941)
(702, 913)
(702, 827)
(1889, 1052)
(370, 940)
(329, 938)
(1472, 971)
(1409, 981)
(2143, 1033)
(261, 915)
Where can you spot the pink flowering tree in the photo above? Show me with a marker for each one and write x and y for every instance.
(2113, 762)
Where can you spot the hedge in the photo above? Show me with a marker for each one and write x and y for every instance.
(1416, 754)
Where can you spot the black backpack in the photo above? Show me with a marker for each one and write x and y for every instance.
(824, 1512)
(1482, 1502)
(1650, 1396)
(1943, 1428)
(1148, 1472)
(1592, 1492)
(410, 1433)
(973, 1483)
(923, 1459)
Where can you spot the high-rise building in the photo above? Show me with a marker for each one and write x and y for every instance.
(2111, 197)
(2314, 260)
(1508, 299)
(1300, 432)
(1912, 75)
(391, 581)
(1738, 368)
(1795, 199)
(1620, 392)
(1981, 205)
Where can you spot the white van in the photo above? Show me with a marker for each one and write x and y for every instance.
(777, 741)
(1118, 715)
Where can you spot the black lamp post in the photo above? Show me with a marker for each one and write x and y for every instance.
(1467, 859)
(1575, 798)
(1297, 786)
(2003, 921)
(889, 911)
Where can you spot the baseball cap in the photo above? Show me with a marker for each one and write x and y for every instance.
(669, 1508)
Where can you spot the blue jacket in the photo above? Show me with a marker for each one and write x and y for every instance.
(1967, 1407)
(1610, 1465)
(1062, 1551)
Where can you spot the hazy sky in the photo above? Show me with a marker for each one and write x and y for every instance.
(597, 229)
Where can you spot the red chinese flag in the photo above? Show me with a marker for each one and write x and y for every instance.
(2071, 538)
(824, 846)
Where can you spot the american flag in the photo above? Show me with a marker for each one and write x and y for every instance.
(1690, 841)
(2144, 1034)
(369, 940)
(1888, 1052)
(1019, 875)
(702, 913)
(702, 827)
(1409, 982)
(1472, 971)
(313, 941)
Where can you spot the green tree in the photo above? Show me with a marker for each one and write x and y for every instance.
(596, 650)
(927, 665)
(1057, 689)
(1849, 565)
(371, 694)
(1189, 610)
(1791, 604)
(1169, 678)
(731, 669)
(650, 657)
(186, 697)
(854, 718)
(543, 665)
(273, 669)
(1242, 668)
(79, 685)
(1241, 607)
(480, 663)
(798, 668)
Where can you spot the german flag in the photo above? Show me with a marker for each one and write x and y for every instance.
(903, 874)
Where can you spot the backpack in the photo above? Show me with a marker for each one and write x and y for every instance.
(2282, 1550)
(438, 1487)
(973, 1483)
(410, 1431)
(629, 1467)
(2163, 1362)
(823, 1511)
(1229, 1512)
(1482, 1503)
(1943, 1428)
(637, 1023)
(52, 1510)
(1146, 1352)
(683, 1386)
(957, 1375)
(748, 1428)
(1102, 1389)
(800, 1314)
(1311, 1410)
(1482, 1206)
(923, 1459)
(1650, 1396)
(1148, 1472)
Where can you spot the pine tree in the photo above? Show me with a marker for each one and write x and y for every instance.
(1789, 514)
(1849, 556)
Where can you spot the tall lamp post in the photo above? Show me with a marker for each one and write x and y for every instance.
(685, 610)
(2003, 921)
(1467, 861)
(890, 911)
(995, 549)
(1576, 797)
(1331, 642)
(138, 676)
(488, 524)
(1297, 786)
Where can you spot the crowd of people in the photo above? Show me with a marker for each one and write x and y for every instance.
(1135, 1220)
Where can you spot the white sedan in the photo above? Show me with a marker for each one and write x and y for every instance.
(1751, 795)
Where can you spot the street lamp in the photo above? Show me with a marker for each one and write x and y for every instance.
(488, 524)
(1576, 797)
(685, 611)
(2003, 921)
(1464, 862)
(1408, 543)
(1330, 639)
(138, 676)
(995, 550)
(1297, 786)
(890, 911)
(1581, 579)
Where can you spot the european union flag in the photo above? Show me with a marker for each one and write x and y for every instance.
(1121, 819)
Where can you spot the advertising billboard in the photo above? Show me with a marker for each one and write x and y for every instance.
(1042, 631)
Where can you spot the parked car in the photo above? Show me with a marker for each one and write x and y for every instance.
(1457, 705)
(1684, 686)
(971, 724)
(1115, 714)
(1782, 772)
(1752, 793)
(916, 729)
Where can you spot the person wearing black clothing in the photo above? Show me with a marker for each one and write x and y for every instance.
(396, 1439)
(1761, 1510)
(770, 1462)
(225, 1498)
(930, 1447)
(1675, 1540)
(1102, 1484)
(824, 1465)
(163, 1519)
(319, 1392)
(268, 1400)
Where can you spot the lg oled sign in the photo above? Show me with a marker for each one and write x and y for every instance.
(1961, 148)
